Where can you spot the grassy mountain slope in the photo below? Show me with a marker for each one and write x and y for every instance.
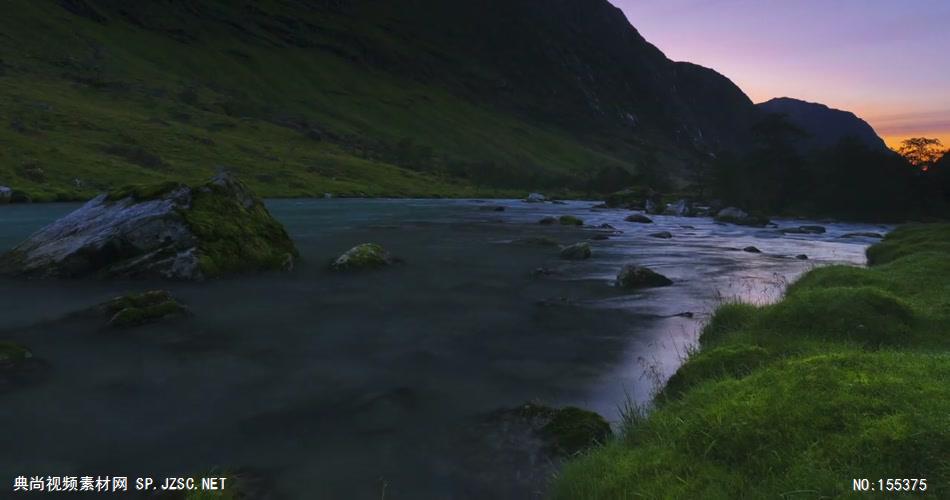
(358, 97)
(847, 377)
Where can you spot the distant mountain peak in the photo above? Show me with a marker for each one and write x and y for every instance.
(825, 125)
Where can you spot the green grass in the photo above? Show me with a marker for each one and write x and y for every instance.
(847, 377)
(89, 107)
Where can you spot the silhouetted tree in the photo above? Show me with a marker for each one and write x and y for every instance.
(921, 152)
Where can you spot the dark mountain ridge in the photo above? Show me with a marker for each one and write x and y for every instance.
(415, 97)
(824, 126)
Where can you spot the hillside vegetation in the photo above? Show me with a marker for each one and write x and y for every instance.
(848, 377)
(348, 97)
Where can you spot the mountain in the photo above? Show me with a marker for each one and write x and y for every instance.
(824, 126)
(417, 97)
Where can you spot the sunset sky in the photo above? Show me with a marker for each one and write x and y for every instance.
(887, 61)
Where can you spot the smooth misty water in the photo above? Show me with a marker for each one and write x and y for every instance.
(336, 386)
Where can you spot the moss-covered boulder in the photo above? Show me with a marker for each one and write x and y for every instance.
(577, 251)
(632, 276)
(363, 257)
(162, 231)
(563, 431)
(570, 220)
(138, 309)
(13, 354)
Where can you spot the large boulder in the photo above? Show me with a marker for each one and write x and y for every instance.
(577, 251)
(363, 257)
(6, 195)
(164, 231)
(632, 276)
(733, 215)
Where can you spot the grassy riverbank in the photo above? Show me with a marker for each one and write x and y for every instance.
(847, 377)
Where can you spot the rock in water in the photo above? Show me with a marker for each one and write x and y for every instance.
(535, 198)
(164, 231)
(632, 276)
(738, 216)
(803, 230)
(562, 432)
(6, 195)
(577, 251)
(751, 249)
(139, 309)
(365, 256)
(547, 221)
(662, 235)
(640, 218)
(570, 220)
(12, 354)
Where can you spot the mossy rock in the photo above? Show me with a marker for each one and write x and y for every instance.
(235, 231)
(363, 257)
(565, 431)
(632, 276)
(577, 251)
(13, 354)
(129, 311)
(159, 231)
(570, 220)
(144, 192)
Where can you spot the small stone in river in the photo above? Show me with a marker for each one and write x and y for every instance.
(577, 251)
(492, 208)
(365, 256)
(751, 249)
(640, 218)
(801, 256)
(606, 226)
(632, 276)
(570, 220)
(138, 309)
(12, 354)
(600, 237)
(662, 235)
(547, 221)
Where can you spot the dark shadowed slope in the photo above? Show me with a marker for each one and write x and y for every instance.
(417, 97)
(825, 126)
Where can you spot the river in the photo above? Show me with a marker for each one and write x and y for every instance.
(345, 386)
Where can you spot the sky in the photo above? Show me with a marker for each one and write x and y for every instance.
(887, 61)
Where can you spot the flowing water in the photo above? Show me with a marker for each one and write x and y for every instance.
(358, 385)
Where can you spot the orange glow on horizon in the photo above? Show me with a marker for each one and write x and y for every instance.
(894, 141)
